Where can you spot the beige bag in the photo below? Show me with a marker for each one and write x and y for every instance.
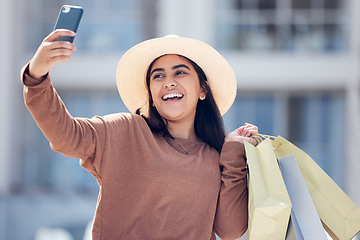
(339, 214)
(269, 203)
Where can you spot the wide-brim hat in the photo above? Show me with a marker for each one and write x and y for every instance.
(133, 66)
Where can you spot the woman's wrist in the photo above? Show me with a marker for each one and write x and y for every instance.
(36, 76)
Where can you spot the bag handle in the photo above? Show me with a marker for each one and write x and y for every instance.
(261, 137)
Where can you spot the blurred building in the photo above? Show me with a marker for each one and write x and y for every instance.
(296, 61)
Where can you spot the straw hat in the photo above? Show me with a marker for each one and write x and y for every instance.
(132, 68)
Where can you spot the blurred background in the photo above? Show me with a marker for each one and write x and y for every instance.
(296, 61)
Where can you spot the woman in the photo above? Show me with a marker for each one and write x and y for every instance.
(167, 172)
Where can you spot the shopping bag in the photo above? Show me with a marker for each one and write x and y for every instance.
(269, 203)
(290, 234)
(339, 214)
(304, 217)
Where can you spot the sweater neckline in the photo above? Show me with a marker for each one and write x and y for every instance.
(187, 144)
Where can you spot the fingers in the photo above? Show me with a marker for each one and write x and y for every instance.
(57, 45)
(59, 33)
(252, 141)
(56, 52)
(243, 133)
(249, 129)
(61, 51)
(49, 49)
(240, 130)
(51, 53)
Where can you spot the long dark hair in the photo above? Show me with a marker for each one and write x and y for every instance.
(208, 124)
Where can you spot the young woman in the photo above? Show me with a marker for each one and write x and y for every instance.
(166, 170)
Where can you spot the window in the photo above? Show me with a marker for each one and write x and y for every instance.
(309, 120)
(282, 26)
(106, 26)
(313, 124)
(46, 170)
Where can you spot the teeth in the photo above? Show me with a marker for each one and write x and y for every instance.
(172, 95)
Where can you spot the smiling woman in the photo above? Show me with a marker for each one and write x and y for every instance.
(169, 171)
(175, 92)
(184, 76)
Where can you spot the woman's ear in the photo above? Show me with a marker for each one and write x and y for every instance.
(202, 94)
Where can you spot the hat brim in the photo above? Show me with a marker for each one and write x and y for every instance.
(132, 68)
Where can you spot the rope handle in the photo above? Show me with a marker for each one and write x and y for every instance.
(261, 137)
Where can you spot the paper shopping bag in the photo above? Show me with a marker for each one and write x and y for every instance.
(269, 203)
(304, 217)
(338, 213)
(290, 234)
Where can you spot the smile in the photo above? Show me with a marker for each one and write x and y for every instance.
(172, 96)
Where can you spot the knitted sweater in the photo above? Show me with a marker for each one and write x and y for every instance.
(149, 187)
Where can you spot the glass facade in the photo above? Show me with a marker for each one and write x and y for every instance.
(310, 120)
(305, 26)
(107, 26)
(307, 124)
(46, 170)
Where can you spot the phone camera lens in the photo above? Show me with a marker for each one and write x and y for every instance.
(66, 9)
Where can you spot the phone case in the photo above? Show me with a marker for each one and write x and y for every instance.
(69, 18)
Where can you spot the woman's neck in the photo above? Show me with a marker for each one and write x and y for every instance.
(182, 130)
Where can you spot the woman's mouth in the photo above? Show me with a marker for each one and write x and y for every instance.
(171, 96)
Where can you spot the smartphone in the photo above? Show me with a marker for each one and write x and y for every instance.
(69, 18)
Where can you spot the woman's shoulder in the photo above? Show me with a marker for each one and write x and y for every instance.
(119, 123)
(123, 118)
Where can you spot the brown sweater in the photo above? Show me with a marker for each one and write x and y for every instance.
(149, 187)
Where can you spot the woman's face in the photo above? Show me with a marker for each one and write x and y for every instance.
(175, 88)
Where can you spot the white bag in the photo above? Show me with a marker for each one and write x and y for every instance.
(304, 217)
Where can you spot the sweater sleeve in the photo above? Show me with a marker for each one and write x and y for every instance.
(73, 137)
(232, 212)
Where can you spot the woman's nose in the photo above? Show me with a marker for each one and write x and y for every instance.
(169, 82)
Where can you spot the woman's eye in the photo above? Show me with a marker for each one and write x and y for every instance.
(180, 72)
(159, 75)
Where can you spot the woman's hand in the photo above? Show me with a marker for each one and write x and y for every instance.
(50, 53)
(243, 133)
